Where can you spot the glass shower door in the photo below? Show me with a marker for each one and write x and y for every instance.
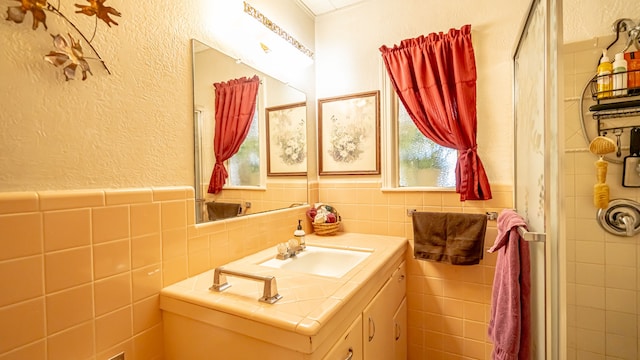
(536, 164)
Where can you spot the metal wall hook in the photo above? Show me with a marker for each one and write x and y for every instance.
(622, 25)
(618, 133)
(626, 25)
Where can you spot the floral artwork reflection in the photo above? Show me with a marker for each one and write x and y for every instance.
(287, 139)
(292, 143)
(67, 53)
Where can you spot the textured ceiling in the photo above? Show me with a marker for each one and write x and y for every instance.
(319, 7)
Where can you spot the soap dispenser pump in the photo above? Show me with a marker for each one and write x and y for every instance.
(299, 234)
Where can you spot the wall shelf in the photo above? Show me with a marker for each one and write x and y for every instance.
(614, 104)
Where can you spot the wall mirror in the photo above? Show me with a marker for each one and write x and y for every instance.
(274, 142)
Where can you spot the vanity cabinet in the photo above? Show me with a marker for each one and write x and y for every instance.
(385, 320)
(380, 332)
(401, 332)
(349, 347)
(318, 318)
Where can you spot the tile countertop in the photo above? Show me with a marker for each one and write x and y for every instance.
(311, 306)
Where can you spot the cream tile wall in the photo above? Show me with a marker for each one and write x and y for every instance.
(448, 306)
(80, 271)
(602, 270)
(91, 264)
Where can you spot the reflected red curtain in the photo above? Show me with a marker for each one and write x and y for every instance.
(435, 78)
(235, 107)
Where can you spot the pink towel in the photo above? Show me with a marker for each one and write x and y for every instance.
(510, 323)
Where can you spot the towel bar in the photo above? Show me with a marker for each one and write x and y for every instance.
(531, 236)
(492, 215)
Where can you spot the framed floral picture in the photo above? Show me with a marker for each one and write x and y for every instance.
(287, 139)
(349, 134)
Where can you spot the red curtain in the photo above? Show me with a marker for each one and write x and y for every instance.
(435, 78)
(235, 107)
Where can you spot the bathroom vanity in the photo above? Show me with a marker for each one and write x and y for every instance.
(360, 314)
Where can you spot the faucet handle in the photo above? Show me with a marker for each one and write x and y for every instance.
(282, 248)
(629, 222)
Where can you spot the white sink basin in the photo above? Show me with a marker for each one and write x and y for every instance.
(323, 261)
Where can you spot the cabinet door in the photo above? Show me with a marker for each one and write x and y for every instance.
(349, 347)
(377, 323)
(399, 284)
(400, 331)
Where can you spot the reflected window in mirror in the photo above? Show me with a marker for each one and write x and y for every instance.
(244, 166)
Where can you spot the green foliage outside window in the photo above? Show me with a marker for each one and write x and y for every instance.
(244, 166)
(421, 161)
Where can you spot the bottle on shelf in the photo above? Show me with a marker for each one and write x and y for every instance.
(604, 76)
(619, 75)
(633, 71)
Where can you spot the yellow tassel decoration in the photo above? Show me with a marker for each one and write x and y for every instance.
(601, 189)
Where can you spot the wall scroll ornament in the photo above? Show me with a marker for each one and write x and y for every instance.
(68, 51)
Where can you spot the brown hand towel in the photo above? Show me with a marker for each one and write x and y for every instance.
(457, 239)
(219, 211)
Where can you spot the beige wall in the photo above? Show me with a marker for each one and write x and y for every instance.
(133, 128)
(348, 59)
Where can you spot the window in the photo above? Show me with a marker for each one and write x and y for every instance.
(244, 166)
(421, 162)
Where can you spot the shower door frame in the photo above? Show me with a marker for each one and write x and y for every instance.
(546, 255)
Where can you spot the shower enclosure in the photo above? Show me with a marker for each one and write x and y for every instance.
(602, 262)
(586, 280)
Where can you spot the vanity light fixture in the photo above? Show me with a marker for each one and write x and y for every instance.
(253, 12)
(265, 48)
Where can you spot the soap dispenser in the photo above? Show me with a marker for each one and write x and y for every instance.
(299, 235)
